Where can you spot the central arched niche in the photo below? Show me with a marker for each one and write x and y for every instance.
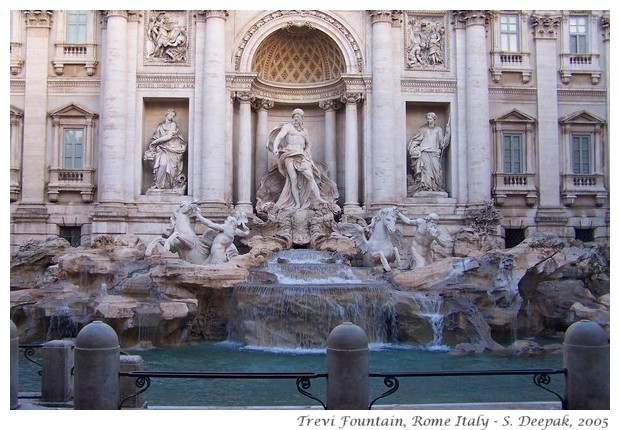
(298, 54)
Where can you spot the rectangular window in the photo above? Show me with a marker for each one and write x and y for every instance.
(509, 33)
(76, 26)
(512, 153)
(582, 155)
(73, 144)
(73, 235)
(578, 34)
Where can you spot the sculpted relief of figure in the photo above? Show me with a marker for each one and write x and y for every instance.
(425, 152)
(424, 46)
(221, 237)
(169, 39)
(166, 150)
(297, 183)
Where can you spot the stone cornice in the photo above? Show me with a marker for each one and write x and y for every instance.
(545, 25)
(521, 91)
(38, 18)
(298, 94)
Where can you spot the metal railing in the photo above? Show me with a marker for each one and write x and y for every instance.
(540, 377)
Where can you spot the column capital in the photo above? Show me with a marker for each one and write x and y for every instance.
(605, 25)
(38, 18)
(545, 25)
(332, 104)
(380, 16)
(110, 13)
(471, 17)
(213, 14)
(352, 98)
(244, 96)
(262, 104)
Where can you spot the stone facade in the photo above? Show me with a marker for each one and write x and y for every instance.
(525, 94)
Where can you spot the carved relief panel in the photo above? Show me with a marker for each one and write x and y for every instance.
(426, 41)
(166, 37)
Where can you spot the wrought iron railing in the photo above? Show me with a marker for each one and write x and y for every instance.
(540, 377)
(303, 379)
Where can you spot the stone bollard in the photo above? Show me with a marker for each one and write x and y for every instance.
(586, 360)
(97, 363)
(347, 368)
(131, 363)
(57, 381)
(14, 366)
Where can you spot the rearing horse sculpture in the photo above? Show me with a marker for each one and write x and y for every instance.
(181, 238)
(381, 245)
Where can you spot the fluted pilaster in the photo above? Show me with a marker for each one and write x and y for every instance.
(243, 166)
(351, 153)
(330, 107)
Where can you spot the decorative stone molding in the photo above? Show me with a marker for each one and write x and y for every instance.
(38, 18)
(425, 41)
(605, 25)
(215, 13)
(110, 13)
(165, 81)
(428, 86)
(17, 60)
(545, 25)
(302, 14)
(17, 118)
(296, 94)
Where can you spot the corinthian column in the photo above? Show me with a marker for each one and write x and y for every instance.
(545, 37)
(216, 153)
(351, 153)
(477, 95)
(38, 23)
(330, 107)
(243, 173)
(382, 110)
(262, 107)
(112, 147)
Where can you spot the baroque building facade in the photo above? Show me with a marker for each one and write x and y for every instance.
(520, 98)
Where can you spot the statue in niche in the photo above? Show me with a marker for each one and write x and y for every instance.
(296, 182)
(425, 155)
(421, 252)
(169, 39)
(166, 150)
(424, 46)
(213, 247)
(296, 200)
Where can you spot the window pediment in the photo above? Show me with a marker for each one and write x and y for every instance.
(515, 116)
(582, 118)
(73, 110)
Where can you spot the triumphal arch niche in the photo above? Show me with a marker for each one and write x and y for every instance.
(300, 71)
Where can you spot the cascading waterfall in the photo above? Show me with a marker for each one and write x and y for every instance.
(62, 324)
(299, 296)
(430, 308)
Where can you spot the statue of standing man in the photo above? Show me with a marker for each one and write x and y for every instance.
(425, 151)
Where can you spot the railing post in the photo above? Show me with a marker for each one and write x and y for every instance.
(347, 368)
(131, 363)
(57, 381)
(586, 360)
(97, 363)
(14, 366)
